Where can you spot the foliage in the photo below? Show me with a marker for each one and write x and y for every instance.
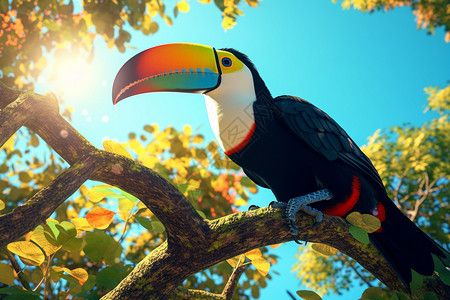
(96, 237)
(414, 165)
(429, 13)
(31, 28)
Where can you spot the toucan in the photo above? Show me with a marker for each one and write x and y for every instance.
(285, 144)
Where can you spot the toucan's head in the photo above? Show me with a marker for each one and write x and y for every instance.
(189, 68)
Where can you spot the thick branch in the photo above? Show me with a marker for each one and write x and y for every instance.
(193, 244)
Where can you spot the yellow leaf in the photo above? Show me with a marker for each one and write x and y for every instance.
(275, 246)
(367, 222)
(80, 274)
(40, 238)
(371, 223)
(324, 249)
(262, 265)
(115, 147)
(99, 217)
(6, 274)
(253, 254)
(2, 205)
(308, 295)
(240, 202)
(96, 193)
(81, 224)
(125, 205)
(234, 261)
(183, 6)
(28, 252)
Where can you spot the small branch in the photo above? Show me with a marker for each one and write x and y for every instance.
(38, 208)
(232, 282)
(18, 270)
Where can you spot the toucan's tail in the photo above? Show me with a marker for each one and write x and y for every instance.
(405, 247)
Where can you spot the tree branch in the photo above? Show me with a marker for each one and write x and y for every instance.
(193, 243)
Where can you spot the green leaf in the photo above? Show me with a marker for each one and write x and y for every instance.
(359, 234)
(416, 281)
(129, 196)
(145, 222)
(443, 272)
(112, 256)
(245, 181)
(6, 274)
(66, 231)
(373, 293)
(110, 277)
(73, 245)
(308, 295)
(430, 296)
(158, 226)
(97, 244)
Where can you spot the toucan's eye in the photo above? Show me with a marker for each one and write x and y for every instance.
(226, 62)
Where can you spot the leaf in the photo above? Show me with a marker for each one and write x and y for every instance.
(73, 245)
(6, 274)
(416, 280)
(183, 7)
(79, 274)
(129, 196)
(324, 249)
(234, 261)
(110, 277)
(359, 234)
(97, 194)
(115, 147)
(97, 244)
(373, 293)
(275, 246)
(29, 253)
(81, 224)
(99, 217)
(145, 222)
(2, 205)
(262, 265)
(430, 296)
(368, 222)
(253, 254)
(125, 205)
(45, 241)
(308, 295)
(158, 226)
(442, 271)
(66, 231)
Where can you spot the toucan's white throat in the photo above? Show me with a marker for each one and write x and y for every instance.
(230, 108)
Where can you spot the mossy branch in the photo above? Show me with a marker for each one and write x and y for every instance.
(193, 243)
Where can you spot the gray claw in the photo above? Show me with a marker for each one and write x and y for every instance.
(301, 203)
(276, 204)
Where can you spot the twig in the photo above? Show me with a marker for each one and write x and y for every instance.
(18, 270)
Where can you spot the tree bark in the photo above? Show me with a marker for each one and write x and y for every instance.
(193, 243)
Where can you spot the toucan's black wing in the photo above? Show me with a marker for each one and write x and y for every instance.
(323, 134)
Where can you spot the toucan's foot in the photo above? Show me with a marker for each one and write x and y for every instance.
(253, 207)
(301, 203)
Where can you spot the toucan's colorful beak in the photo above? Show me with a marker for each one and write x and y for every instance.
(180, 67)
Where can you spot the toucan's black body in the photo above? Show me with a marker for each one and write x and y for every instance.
(295, 148)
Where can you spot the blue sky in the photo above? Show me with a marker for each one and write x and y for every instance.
(367, 71)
